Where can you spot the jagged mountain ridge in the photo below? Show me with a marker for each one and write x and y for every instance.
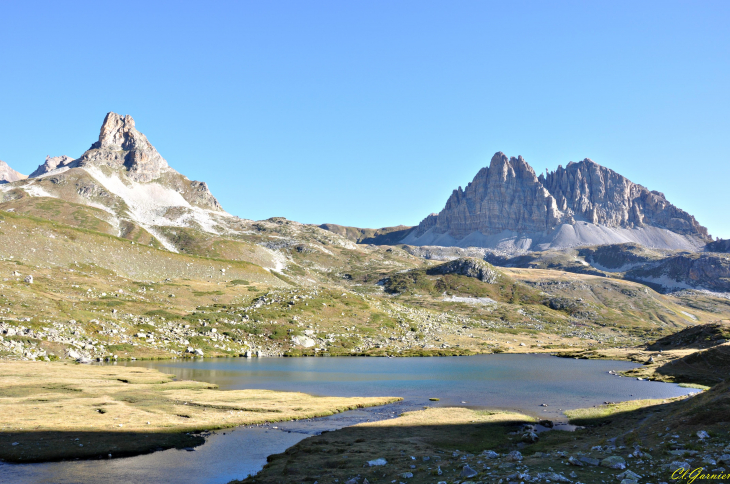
(507, 206)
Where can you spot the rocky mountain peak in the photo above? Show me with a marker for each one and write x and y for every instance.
(505, 196)
(120, 145)
(509, 198)
(594, 193)
(118, 133)
(8, 175)
(52, 163)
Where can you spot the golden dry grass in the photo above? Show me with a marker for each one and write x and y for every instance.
(66, 396)
(435, 432)
(62, 398)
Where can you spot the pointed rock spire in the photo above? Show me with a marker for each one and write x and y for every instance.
(120, 145)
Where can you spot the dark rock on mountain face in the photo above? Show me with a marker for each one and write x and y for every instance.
(589, 191)
(384, 236)
(469, 267)
(700, 270)
(699, 337)
(596, 204)
(719, 245)
(618, 256)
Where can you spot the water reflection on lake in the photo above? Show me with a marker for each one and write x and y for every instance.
(519, 382)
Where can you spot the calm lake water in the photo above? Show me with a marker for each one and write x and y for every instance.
(516, 382)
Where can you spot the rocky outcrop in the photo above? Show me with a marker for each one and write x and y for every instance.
(618, 257)
(582, 204)
(384, 236)
(686, 271)
(470, 267)
(8, 175)
(52, 163)
(719, 245)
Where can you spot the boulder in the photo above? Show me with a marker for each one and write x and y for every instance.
(589, 460)
(468, 472)
(575, 462)
(305, 341)
(552, 477)
(629, 475)
(514, 456)
(614, 462)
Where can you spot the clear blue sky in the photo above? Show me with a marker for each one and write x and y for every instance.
(371, 113)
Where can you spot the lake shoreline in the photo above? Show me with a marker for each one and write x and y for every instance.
(59, 411)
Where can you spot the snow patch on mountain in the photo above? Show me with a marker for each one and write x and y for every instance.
(36, 191)
(149, 202)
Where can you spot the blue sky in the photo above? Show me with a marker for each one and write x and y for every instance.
(371, 113)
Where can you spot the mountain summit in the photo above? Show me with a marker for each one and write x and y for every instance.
(127, 188)
(508, 206)
(128, 154)
(120, 145)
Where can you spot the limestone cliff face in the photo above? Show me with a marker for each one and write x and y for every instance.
(8, 175)
(591, 192)
(505, 196)
(509, 196)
